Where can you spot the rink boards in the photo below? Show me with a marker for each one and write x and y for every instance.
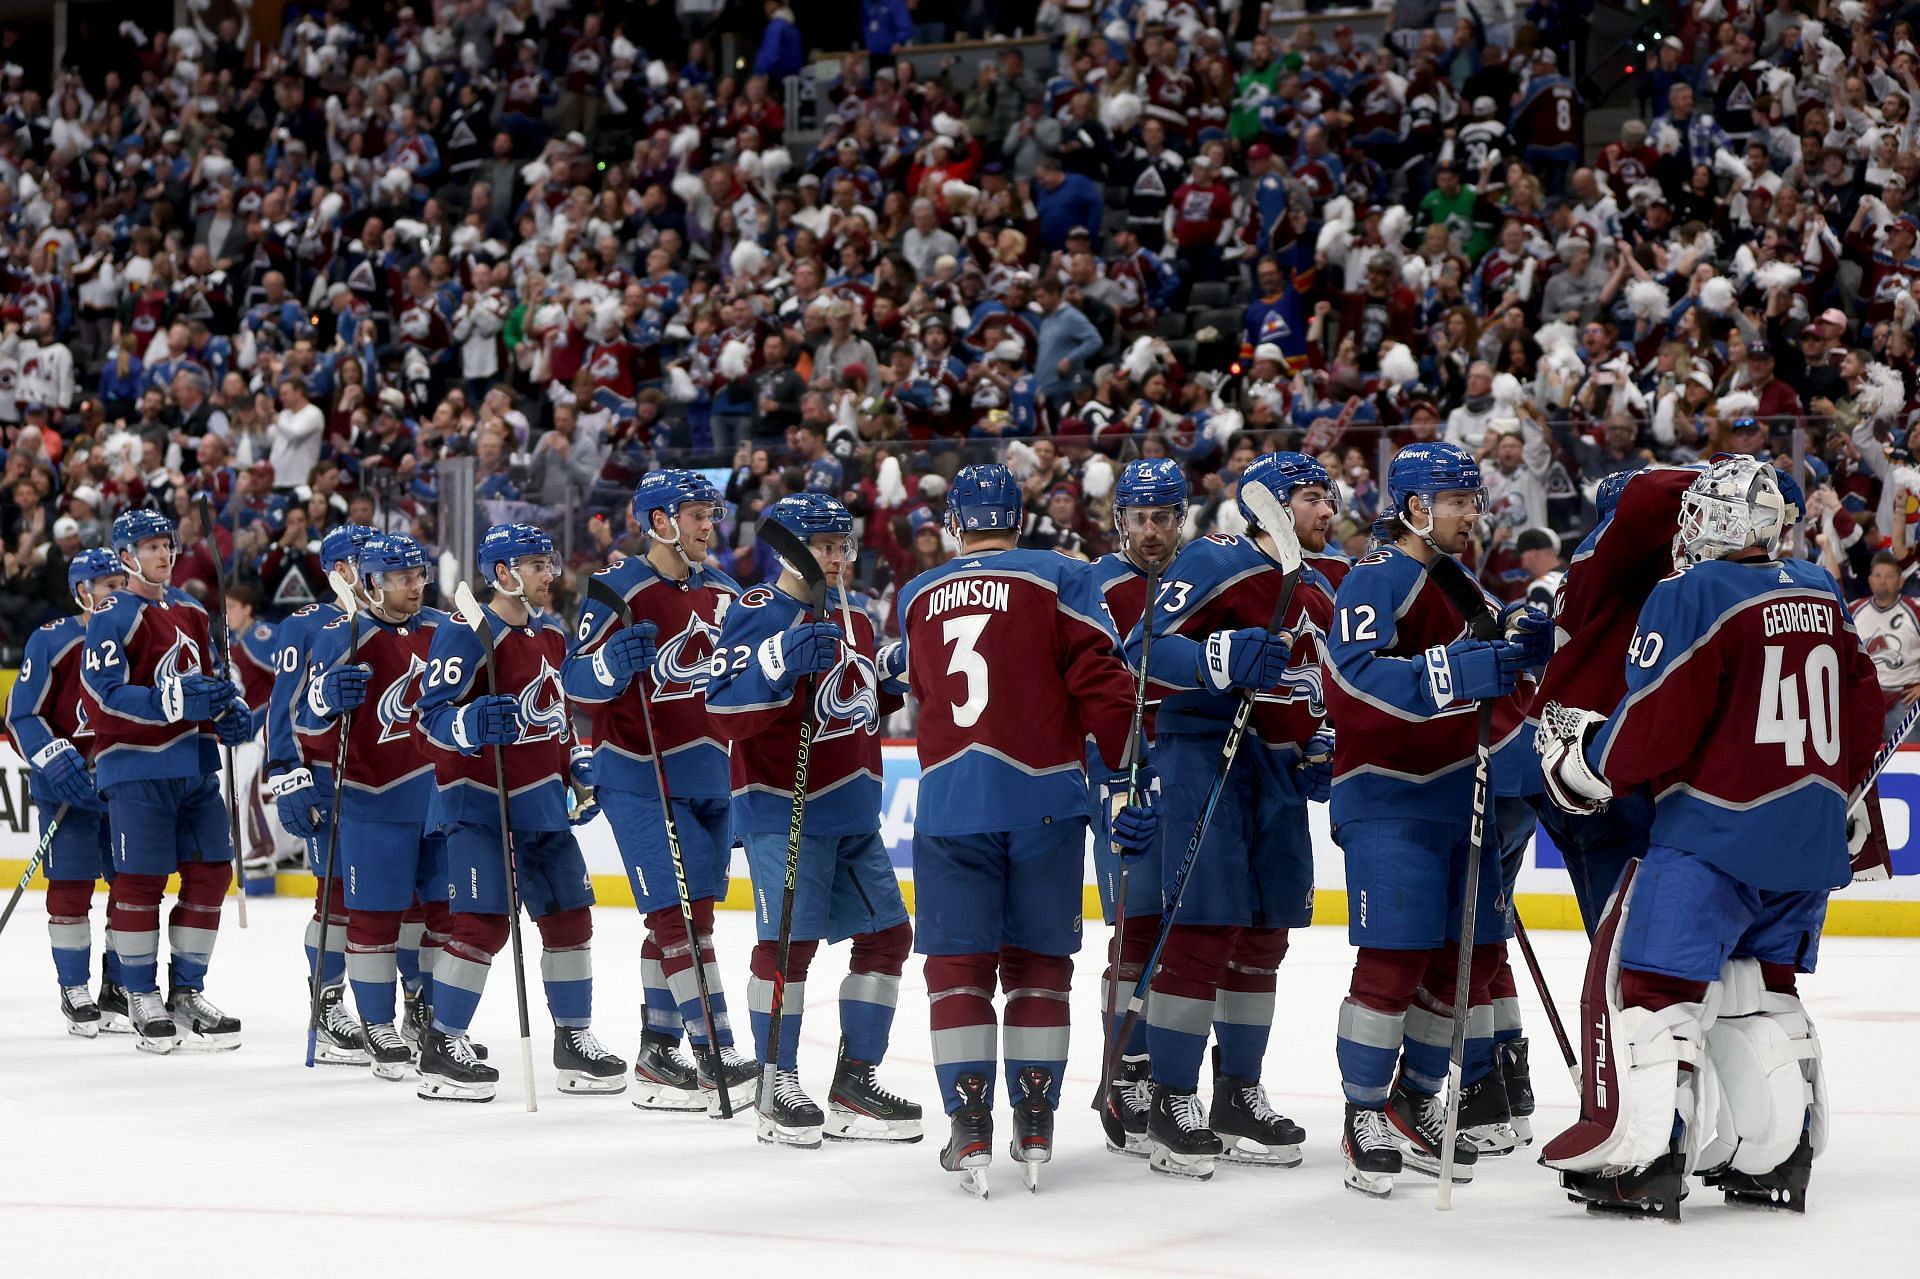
(1890, 908)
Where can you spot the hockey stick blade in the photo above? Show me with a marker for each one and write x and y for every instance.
(798, 556)
(601, 592)
(342, 592)
(1451, 576)
(469, 614)
(1276, 521)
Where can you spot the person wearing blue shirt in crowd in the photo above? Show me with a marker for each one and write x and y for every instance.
(1065, 201)
(885, 25)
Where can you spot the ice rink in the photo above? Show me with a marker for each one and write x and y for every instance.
(246, 1163)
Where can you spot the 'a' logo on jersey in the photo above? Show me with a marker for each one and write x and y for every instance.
(680, 668)
(182, 659)
(82, 725)
(543, 706)
(395, 707)
(844, 706)
(1303, 683)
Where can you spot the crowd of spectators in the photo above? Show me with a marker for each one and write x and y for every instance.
(301, 274)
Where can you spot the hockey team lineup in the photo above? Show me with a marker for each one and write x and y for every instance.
(1696, 723)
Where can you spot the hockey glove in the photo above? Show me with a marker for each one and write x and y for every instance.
(192, 696)
(627, 652)
(580, 766)
(301, 806)
(1133, 826)
(1314, 775)
(890, 663)
(63, 775)
(1572, 784)
(1252, 658)
(234, 724)
(1530, 628)
(810, 648)
(487, 721)
(1472, 670)
(1867, 839)
(339, 690)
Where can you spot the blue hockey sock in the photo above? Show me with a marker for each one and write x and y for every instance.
(1477, 1061)
(568, 976)
(662, 1014)
(72, 940)
(407, 954)
(760, 1012)
(867, 1001)
(1242, 1024)
(1035, 1023)
(458, 978)
(1367, 1049)
(371, 973)
(1427, 1047)
(1177, 1028)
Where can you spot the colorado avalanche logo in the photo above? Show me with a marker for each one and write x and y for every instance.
(681, 667)
(395, 707)
(543, 706)
(1303, 684)
(82, 725)
(181, 660)
(852, 703)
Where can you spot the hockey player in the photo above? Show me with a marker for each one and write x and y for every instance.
(299, 772)
(1014, 664)
(674, 590)
(1253, 878)
(1752, 712)
(1149, 505)
(256, 658)
(50, 721)
(1405, 681)
(846, 887)
(531, 728)
(393, 862)
(161, 722)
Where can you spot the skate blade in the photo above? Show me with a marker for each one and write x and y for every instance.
(769, 1133)
(1137, 1147)
(114, 1024)
(435, 1089)
(157, 1046)
(1192, 1167)
(1493, 1140)
(741, 1096)
(1374, 1185)
(326, 1054)
(974, 1182)
(1772, 1199)
(1522, 1129)
(84, 1029)
(1031, 1171)
(194, 1042)
(577, 1083)
(1418, 1160)
(651, 1094)
(851, 1125)
(1245, 1150)
(394, 1070)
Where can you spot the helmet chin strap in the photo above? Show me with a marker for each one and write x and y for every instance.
(673, 518)
(133, 568)
(519, 590)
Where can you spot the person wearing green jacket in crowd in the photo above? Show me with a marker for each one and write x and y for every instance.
(1468, 218)
(1255, 84)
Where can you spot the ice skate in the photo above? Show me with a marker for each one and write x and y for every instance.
(387, 1051)
(1485, 1121)
(584, 1064)
(148, 1016)
(1784, 1188)
(1511, 1058)
(663, 1078)
(742, 1075)
(1373, 1157)
(1183, 1145)
(1250, 1130)
(450, 1070)
(1032, 1143)
(113, 1010)
(413, 1023)
(1124, 1111)
(337, 1040)
(81, 1012)
(859, 1109)
(1651, 1191)
(787, 1116)
(969, 1148)
(1421, 1122)
(201, 1026)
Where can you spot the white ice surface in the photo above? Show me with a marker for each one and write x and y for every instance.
(113, 1161)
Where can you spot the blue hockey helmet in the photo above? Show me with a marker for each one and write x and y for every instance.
(130, 528)
(1280, 474)
(811, 515)
(506, 543)
(344, 543)
(984, 498)
(1609, 491)
(390, 553)
(89, 566)
(1427, 470)
(668, 490)
(1150, 481)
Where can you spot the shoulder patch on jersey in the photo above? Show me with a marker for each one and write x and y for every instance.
(1372, 557)
(337, 622)
(310, 608)
(263, 632)
(47, 626)
(107, 603)
(756, 597)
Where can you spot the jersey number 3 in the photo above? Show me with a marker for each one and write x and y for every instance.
(964, 634)
(1780, 719)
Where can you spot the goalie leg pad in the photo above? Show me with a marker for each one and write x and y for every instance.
(1766, 1055)
(1642, 1064)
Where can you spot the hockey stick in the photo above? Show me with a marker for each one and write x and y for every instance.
(223, 642)
(343, 596)
(795, 552)
(602, 593)
(1110, 1051)
(33, 864)
(475, 618)
(1546, 999)
(1885, 757)
(1464, 594)
(1274, 519)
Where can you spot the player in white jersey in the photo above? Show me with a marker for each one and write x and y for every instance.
(1889, 626)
